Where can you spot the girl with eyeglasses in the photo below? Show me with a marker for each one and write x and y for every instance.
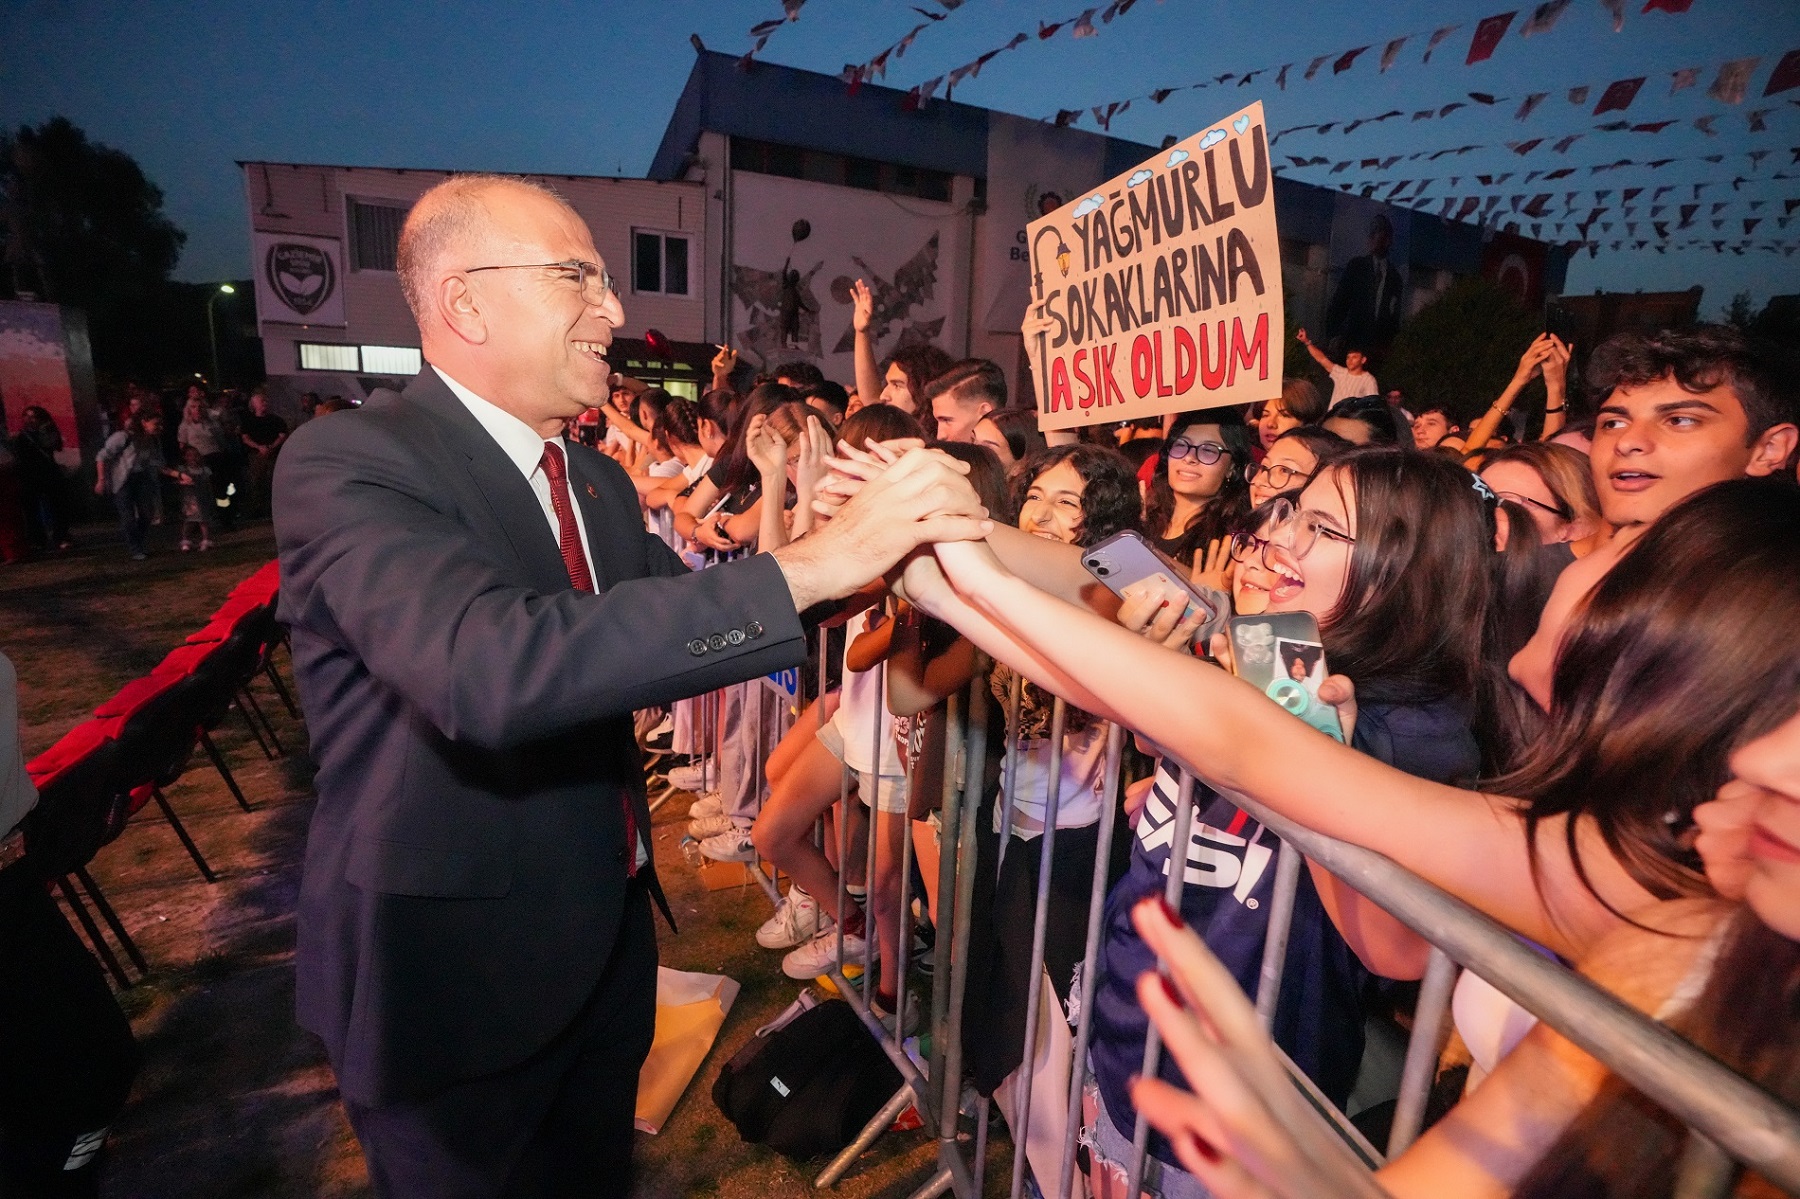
(1401, 609)
(1554, 485)
(1197, 493)
(1293, 458)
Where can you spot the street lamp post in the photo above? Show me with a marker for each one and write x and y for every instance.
(212, 336)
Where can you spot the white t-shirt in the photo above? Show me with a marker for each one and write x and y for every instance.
(1083, 781)
(864, 695)
(1346, 385)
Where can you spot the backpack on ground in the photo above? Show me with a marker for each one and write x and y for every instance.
(808, 1087)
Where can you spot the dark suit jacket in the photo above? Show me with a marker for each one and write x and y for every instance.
(1353, 315)
(470, 716)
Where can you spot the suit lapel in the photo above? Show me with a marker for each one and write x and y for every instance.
(504, 492)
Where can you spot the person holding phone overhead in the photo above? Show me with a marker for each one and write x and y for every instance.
(476, 610)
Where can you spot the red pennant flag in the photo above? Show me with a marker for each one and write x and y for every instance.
(1674, 6)
(1346, 60)
(1487, 37)
(1313, 67)
(1544, 17)
(1683, 79)
(1651, 126)
(1619, 95)
(1786, 74)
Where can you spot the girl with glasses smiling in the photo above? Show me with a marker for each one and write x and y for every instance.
(1197, 494)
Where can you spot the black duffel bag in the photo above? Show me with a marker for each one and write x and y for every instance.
(807, 1088)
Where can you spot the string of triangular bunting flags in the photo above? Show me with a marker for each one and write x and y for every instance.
(1730, 86)
(1483, 42)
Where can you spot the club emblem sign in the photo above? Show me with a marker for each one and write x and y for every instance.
(300, 279)
(301, 275)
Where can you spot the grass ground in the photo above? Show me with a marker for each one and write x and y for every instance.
(234, 1100)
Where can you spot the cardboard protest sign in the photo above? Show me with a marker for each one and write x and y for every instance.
(1161, 290)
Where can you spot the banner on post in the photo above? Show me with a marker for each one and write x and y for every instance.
(1161, 290)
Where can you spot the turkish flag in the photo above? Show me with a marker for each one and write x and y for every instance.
(1517, 265)
(1619, 95)
(1786, 74)
(1667, 5)
(1487, 36)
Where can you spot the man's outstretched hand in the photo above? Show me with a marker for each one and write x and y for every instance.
(922, 497)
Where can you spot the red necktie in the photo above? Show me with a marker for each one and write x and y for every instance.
(568, 535)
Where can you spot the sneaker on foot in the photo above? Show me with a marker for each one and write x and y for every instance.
(819, 955)
(796, 921)
(688, 778)
(734, 846)
(706, 805)
(710, 826)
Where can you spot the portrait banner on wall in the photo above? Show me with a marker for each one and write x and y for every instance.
(1161, 290)
(299, 280)
(1371, 243)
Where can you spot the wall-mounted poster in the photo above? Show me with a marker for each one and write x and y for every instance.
(1370, 245)
(1162, 288)
(299, 280)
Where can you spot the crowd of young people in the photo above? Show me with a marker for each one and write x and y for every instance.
(1563, 671)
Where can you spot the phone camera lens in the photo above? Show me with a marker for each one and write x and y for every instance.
(1104, 571)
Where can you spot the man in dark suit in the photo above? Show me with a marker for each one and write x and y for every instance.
(1364, 312)
(476, 611)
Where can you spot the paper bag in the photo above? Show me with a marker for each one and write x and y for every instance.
(690, 1010)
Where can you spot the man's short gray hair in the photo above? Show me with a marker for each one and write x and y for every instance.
(450, 213)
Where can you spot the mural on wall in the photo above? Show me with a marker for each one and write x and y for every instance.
(801, 245)
(34, 365)
(894, 302)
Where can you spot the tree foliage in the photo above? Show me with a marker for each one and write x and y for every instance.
(81, 225)
(1460, 351)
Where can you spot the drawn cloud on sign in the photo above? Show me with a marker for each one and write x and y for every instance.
(1089, 205)
(1213, 137)
(1138, 177)
(1177, 158)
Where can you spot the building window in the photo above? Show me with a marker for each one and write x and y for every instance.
(391, 360)
(374, 235)
(659, 263)
(791, 162)
(365, 360)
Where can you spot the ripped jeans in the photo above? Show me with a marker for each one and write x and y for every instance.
(1109, 1151)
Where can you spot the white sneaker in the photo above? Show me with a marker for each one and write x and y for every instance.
(706, 805)
(909, 1025)
(819, 955)
(710, 826)
(796, 921)
(688, 778)
(734, 846)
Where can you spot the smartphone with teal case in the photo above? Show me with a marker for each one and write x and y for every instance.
(1281, 652)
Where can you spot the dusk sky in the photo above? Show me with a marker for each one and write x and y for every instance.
(586, 88)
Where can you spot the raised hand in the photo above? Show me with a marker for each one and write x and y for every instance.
(1159, 611)
(765, 447)
(724, 362)
(1301, 337)
(862, 306)
(1214, 567)
(1556, 362)
(1532, 360)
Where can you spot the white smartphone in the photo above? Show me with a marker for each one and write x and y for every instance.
(1125, 559)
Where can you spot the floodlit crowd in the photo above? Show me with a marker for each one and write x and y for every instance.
(1556, 674)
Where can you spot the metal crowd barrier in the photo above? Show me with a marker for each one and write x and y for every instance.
(1729, 1117)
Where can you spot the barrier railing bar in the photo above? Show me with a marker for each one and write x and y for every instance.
(1420, 1066)
(872, 801)
(975, 753)
(983, 1113)
(878, 1124)
(1281, 922)
(1090, 957)
(1172, 886)
(1748, 1123)
(1034, 981)
(949, 825)
(1705, 1171)
(1009, 779)
(1354, 1140)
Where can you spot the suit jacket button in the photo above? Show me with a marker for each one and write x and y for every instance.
(619, 857)
(753, 630)
(735, 636)
(696, 647)
(716, 642)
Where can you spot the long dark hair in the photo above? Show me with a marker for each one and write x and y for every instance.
(1688, 648)
(1020, 428)
(1415, 604)
(1218, 515)
(763, 399)
(986, 476)
(1747, 1016)
(920, 363)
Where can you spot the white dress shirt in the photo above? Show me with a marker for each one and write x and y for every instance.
(521, 443)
